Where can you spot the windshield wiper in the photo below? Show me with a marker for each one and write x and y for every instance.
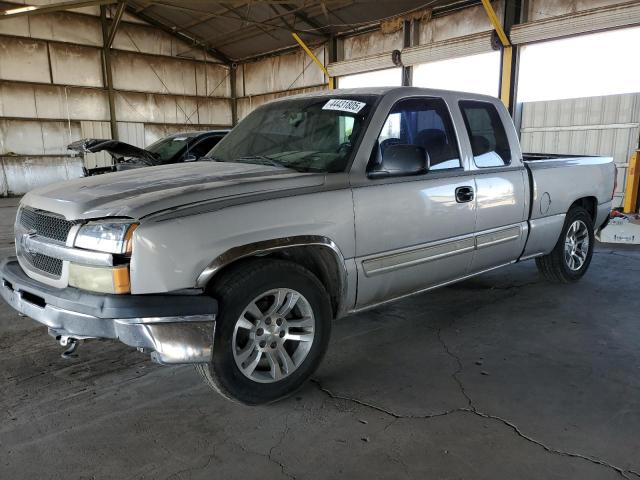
(211, 158)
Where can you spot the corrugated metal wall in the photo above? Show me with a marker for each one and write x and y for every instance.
(52, 92)
(608, 125)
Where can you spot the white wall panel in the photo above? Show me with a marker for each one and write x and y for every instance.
(541, 9)
(21, 100)
(76, 65)
(71, 103)
(26, 173)
(144, 73)
(283, 72)
(15, 26)
(463, 22)
(66, 27)
(24, 59)
(371, 43)
(214, 111)
(138, 38)
(17, 100)
(213, 80)
(149, 108)
(147, 39)
(132, 133)
(32, 137)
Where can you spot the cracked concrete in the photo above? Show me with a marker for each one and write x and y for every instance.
(501, 376)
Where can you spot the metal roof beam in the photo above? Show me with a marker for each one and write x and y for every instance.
(300, 15)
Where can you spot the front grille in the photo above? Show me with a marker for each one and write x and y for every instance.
(45, 224)
(52, 266)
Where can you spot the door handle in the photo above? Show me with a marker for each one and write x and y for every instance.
(464, 194)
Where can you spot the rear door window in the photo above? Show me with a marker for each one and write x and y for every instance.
(489, 142)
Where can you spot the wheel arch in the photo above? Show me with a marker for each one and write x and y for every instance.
(318, 254)
(590, 204)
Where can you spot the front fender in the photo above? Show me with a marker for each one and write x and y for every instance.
(182, 253)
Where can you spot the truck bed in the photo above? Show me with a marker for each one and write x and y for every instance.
(536, 157)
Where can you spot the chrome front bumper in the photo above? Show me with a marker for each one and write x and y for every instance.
(173, 328)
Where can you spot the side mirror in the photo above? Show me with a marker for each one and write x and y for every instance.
(190, 158)
(401, 161)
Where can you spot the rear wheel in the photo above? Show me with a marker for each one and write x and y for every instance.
(272, 330)
(571, 256)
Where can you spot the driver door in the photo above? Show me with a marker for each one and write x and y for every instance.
(413, 232)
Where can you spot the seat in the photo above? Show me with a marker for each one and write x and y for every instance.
(434, 142)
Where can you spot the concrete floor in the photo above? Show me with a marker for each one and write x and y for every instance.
(502, 376)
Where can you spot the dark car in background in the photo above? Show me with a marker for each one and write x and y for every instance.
(178, 148)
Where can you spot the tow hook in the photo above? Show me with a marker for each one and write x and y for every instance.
(72, 345)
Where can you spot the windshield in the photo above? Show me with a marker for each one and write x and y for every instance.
(167, 148)
(308, 134)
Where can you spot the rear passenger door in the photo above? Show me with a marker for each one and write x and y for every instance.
(411, 232)
(500, 184)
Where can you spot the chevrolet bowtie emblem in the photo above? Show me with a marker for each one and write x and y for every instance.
(24, 240)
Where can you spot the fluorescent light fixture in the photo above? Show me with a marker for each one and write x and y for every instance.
(15, 11)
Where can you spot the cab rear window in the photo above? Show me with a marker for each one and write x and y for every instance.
(489, 142)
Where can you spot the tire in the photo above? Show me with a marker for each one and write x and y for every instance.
(267, 284)
(560, 266)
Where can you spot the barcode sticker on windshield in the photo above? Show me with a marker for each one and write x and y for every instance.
(350, 106)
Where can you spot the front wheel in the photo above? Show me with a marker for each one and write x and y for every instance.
(570, 258)
(271, 333)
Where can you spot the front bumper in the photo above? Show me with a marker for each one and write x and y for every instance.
(173, 328)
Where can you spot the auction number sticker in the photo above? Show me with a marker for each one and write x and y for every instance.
(343, 105)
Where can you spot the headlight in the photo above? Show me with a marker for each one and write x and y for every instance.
(106, 236)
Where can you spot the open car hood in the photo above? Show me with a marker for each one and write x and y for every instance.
(117, 149)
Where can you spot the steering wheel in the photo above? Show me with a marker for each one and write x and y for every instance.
(343, 147)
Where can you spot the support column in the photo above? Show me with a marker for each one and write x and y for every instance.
(509, 63)
(106, 71)
(335, 50)
(511, 60)
(234, 94)
(407, 41)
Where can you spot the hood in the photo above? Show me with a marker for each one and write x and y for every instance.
(141, 192)
(117, 149)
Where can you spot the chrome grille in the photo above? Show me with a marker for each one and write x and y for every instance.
(45, 224)
(44, 263)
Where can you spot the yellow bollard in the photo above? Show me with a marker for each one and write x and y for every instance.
(633, 181)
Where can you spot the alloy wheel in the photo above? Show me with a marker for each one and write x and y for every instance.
(576, 245)
(273, 335)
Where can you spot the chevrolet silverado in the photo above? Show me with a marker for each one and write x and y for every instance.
(312, 208)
